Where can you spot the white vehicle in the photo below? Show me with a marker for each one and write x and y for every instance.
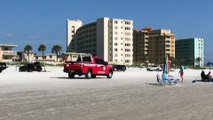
(154, 68)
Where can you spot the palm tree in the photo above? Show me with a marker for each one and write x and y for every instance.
(173, 61)
(57, 50)
(41, 49)
(198, 59)
(27, 49)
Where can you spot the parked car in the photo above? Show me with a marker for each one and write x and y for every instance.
(154, 68)
(3, 66)
(119, 67)
(29, 67)
(88, 65)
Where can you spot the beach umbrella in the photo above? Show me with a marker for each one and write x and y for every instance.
(166, 65)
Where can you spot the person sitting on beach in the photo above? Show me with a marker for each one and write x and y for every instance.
(204, 76)
(209, 75)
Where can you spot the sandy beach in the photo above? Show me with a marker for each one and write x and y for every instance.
(130, 95)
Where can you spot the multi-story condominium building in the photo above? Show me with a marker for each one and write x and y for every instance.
(190, 51)
(153, 46)
(6, 53)
(111, 39)
(72, 27)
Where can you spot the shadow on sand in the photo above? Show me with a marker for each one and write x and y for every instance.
(79, 78)
(154, 84)
(209, 80)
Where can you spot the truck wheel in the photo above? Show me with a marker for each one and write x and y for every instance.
(124, 69)
(29, 70)
(70, 75)
(88, 74)
(93, 76)
(109, 75)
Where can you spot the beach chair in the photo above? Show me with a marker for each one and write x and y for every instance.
(159, 80)
(167, 81)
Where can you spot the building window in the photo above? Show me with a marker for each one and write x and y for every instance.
(127, 28)
(127, 50)
(127, 55)
(127, 39)
(127, 61)
(127, 44)
(127, 33)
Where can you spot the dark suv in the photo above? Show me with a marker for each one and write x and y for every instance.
(3, 66)
(119, 68)
(29, 67)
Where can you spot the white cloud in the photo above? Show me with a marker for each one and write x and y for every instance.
(9, 35)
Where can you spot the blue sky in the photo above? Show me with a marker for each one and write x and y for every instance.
(38, 22)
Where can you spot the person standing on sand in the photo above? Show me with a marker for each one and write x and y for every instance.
(181, 72)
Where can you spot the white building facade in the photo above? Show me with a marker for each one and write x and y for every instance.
(111, 39)
(6, 53)
(72, 27)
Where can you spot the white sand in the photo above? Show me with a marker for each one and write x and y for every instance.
(130, 95)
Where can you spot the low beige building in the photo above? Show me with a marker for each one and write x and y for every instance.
(23, 56)
(49, 58)
(6, 53)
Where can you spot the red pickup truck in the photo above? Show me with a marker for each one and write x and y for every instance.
(90, 66)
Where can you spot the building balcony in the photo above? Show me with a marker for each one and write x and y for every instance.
(146, 40)
(146, 36)
(167, 43)
(9, 53)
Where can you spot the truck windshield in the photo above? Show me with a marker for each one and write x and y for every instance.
(85, 59)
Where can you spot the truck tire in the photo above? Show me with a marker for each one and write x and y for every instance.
(123, 69)
(70, 75)
(29, 70)
(109, 75)
(93, 76)
(88, 75)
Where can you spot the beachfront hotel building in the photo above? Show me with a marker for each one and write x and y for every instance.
(6, 53)
(190, 51)
(152, 46)
(72, 27)
(111, 39)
